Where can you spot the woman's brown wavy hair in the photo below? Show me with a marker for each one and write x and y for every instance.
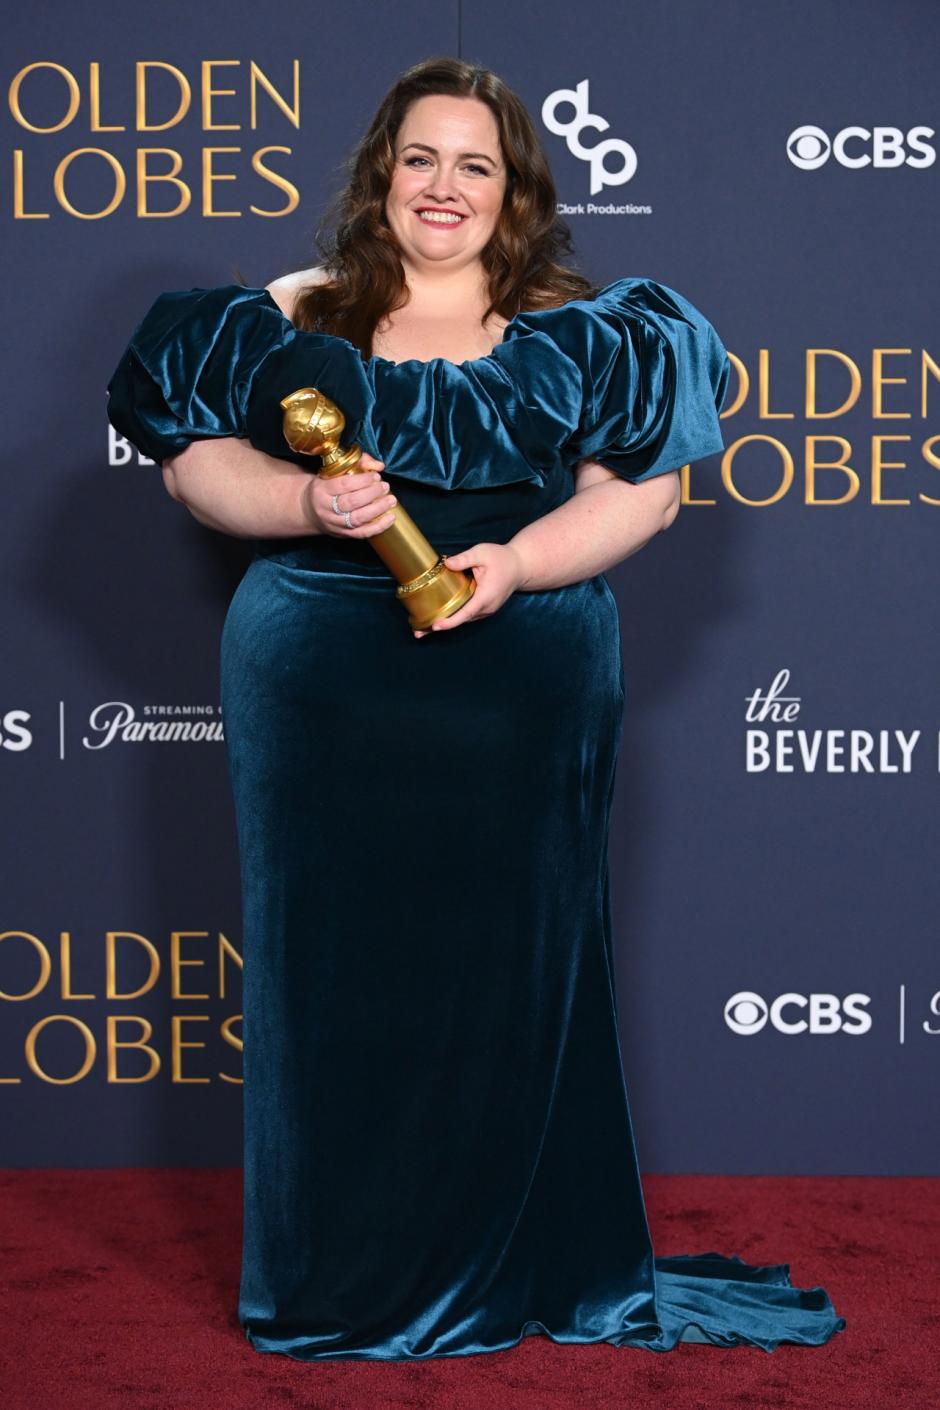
(523, 259)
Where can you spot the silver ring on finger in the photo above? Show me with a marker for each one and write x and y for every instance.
(347, 516)
(334, 505)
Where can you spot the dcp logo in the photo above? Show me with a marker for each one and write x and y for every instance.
(747, 1013)
(583, 117)
(809, 147)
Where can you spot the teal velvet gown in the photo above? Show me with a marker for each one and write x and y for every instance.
(439, 1156)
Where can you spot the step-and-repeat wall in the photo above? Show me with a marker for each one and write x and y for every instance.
(774, 854)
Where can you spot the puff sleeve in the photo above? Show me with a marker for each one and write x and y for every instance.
(633, 378)
(653, 377)
(187, 372)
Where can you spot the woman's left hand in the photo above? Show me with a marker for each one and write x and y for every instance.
(497, 569)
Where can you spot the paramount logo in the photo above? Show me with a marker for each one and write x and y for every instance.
(117, 721)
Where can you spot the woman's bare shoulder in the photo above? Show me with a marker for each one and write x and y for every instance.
(285, 290)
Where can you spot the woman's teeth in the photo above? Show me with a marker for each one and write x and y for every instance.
(440, 217)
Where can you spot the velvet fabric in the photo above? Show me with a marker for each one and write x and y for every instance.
(439, 1156)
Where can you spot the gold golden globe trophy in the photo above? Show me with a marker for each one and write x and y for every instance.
(427, 587)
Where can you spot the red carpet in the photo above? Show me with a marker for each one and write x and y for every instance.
(119, 1290)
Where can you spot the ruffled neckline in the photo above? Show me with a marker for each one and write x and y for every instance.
(377, 360)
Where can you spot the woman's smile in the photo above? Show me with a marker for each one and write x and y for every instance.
(430, 215)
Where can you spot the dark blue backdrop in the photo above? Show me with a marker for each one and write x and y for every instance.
(734, 887)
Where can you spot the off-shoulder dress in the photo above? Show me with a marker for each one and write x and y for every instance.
(438, 1150)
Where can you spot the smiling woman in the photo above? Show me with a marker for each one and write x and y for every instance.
(439, 1154)
(443, 204)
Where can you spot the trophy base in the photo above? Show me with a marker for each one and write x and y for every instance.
(439, 592)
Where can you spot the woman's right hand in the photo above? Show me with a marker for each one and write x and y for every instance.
(364, 494)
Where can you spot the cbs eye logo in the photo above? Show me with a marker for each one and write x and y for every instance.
(809, 147)
(747, 1013)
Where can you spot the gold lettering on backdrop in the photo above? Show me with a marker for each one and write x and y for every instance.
(32, 1059)
(45, 965)
(19, 199)
(141, 1044)
(177, 962)
(140, 96)
(734, 400)
(144, 69)
(259, 79)
(267, 174)
(115, 1044)
(65, 968)
(178, 1044)
(837, 456)
(94, 102)
(878, 465)
(163, 99)
(685, 482)
(272, 177)
(209, 177)
(879, 381)
(928, 368)
(236, 1042)
(931, 459)
(727, 466)
(208, 93)
(122, 1048)
(842, 465)
(128, 944)
(120, 183)
(227, 951)
(110, 940)
(73, 90)
(145, 178)
(811, 409)
(763, 390)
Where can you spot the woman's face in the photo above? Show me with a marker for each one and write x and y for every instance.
(448, 161)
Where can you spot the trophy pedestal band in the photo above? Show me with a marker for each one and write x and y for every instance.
(437, 592)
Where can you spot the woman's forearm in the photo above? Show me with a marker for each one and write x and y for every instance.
(597, 527)
(229, 485)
